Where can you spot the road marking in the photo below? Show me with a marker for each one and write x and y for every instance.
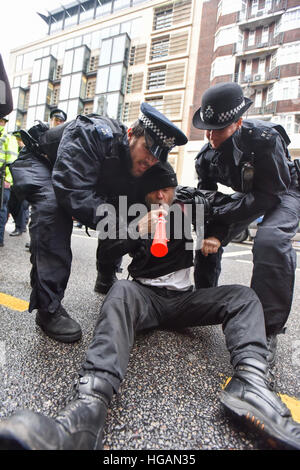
(251, 262)
(292, 403)
(237, 253)
(13, 303)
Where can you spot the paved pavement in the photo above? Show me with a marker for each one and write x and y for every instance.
(169, 398)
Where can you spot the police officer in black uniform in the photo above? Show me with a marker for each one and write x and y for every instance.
(252, 158)
(57, 117)
(69, 172)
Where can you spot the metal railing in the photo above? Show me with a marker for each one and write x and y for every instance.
(248, 15)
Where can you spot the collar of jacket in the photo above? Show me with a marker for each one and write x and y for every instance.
(229, 148)
(125, 153)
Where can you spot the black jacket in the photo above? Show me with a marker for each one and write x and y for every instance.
(263, 146)
(92, 167)
(144, 264)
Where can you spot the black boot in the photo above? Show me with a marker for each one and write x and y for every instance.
(59, 325)
(249, 394)
(79, 426)
(104, 282)
(272, 347)
(16, 233)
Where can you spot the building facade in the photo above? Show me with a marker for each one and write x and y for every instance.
(257, 44)
(107, 57)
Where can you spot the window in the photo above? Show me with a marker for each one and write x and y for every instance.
(102, 80)
(120, 4)
(251, 38)
(115, 77)
(118, 50)
(289, 54)
(86, 12)
(248, 69)
(289, 20)
(163, 18)
(261, 66)
(270, 94)
(137, 54)
(156, 78)
(159, 48)
(68, 62)
(71, 17)
(109, 105)
(78, 61)
(104, 8)
(273, 61)
(258, 99)
(131, 111)
(105, 52)
(135, 83)
(254, 7)
(265, 35)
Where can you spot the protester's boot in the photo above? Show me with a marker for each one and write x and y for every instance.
(79, 426)
(249, 395)
(59, 325)
(104, 282)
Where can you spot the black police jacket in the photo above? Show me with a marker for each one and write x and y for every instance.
(92, 167)
(253, 161)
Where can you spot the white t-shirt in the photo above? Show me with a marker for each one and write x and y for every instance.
(178, 280)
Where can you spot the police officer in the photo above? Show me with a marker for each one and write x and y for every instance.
(57, 117)
(252, 158)
(95, 160)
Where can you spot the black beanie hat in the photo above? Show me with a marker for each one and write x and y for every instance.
(161, 175)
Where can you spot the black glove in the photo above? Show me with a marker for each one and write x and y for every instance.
(194, 196)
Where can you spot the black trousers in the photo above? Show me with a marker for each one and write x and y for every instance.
(274, 261)
(50, 234)
(130, 307)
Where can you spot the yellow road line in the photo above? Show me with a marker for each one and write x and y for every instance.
(13, 303)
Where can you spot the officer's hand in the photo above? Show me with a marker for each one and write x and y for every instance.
(210, 245)
(148, 223)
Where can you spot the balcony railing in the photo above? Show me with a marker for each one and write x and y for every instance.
(264, 109)
(249, 15)
(273, 41)
(258, 77)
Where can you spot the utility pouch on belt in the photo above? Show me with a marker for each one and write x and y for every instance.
(247, 175)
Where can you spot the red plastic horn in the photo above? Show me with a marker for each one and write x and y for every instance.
(159, 247)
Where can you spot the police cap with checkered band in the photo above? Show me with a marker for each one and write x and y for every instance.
(161, 134)
(221, 105)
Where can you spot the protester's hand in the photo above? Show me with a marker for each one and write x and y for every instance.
(148, 223)
(210, 245)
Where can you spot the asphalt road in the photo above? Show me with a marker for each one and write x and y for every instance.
(169, 398)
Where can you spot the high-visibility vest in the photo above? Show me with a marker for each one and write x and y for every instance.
(8, 153)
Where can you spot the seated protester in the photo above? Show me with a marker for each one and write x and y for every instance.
(160, 294)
